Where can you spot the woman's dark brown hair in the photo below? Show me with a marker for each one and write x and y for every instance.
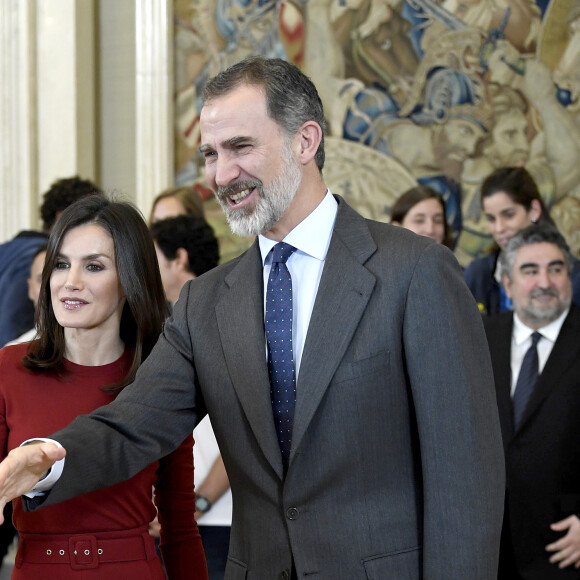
(411, 198)
(145, 308)
(519, 186)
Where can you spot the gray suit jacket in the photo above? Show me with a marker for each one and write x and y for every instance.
(396, 469)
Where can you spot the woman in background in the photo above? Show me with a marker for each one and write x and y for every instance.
(176, 201)
(97, 321)
(511, 202)
(422, 210)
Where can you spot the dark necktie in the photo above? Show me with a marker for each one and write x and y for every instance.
(527, 379)
(278, 324)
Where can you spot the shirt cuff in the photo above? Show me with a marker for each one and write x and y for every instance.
(52, 476)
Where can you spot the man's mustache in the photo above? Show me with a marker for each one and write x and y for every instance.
(235, 187)
(544, 292)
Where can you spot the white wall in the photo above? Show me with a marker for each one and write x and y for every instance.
(86, 89)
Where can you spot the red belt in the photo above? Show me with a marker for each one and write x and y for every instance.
(83, 551)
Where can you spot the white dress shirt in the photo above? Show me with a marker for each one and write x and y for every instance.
(311, 238)
(522, 340)
(205, 453)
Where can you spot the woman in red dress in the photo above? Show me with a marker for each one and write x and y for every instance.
(100, 311)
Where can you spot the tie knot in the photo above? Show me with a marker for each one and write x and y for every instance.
(536, 338)
(281, 252)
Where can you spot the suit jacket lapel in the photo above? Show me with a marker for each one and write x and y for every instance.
(565, 352)
(240, 316)
(344, 290)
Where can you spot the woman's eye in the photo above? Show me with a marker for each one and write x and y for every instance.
(94, 267)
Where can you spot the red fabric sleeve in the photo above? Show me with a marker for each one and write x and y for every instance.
(180, 544)
(3, 426)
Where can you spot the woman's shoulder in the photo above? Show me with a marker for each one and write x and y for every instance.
(484, 266)
(12, 354)
(11, 369)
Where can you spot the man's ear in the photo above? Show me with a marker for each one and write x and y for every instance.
(507, 285)
(29, 284)
(182, 259)
(309, 137)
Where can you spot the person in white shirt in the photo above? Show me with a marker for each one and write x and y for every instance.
(535, 354)
(186, 248)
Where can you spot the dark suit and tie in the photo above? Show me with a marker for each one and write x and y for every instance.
(394, 469)
(527, 379)
(541, 434)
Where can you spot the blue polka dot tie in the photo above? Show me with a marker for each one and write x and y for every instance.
(278, 324)
(527, 379)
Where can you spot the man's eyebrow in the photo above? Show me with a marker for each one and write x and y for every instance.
(228, 143)
(529, 265)
(536, 265)
(233, 142)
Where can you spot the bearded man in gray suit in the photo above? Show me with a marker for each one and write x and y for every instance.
(389, 464)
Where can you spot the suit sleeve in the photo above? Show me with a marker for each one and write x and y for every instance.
(180, 544)
(462, 460)
(148, 420)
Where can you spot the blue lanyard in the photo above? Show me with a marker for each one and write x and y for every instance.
(505, 303)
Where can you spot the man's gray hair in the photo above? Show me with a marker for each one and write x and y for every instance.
(291, 97)
(534, 234)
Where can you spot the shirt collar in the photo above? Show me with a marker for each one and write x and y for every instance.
(312, 235)
(521, 332)
(497, 271)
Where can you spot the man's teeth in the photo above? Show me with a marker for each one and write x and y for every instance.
(237, 197)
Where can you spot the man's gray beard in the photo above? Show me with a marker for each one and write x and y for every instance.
(543, 316)
(273, 200)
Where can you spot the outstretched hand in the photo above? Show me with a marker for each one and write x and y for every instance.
(567, 548)
(24, 467)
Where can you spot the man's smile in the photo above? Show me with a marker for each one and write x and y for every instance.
(240, 196)
(237, 193)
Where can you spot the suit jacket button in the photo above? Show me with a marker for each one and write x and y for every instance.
(292, 513)
(284, 575)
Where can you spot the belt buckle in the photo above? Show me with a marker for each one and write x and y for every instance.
(83, 552)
